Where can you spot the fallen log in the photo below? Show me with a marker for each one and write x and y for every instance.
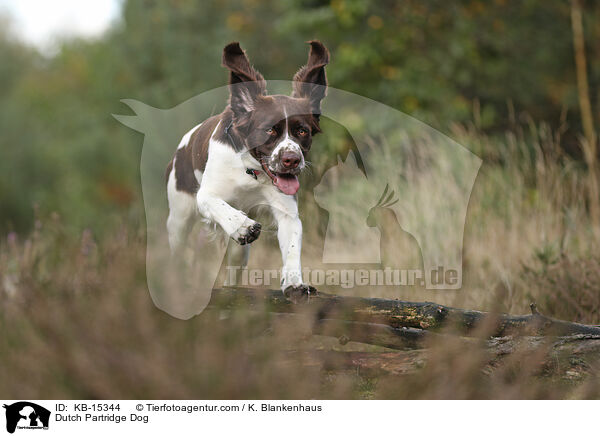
(402, 314)
(551, 347)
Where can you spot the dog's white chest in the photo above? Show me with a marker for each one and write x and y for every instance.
(225, 176)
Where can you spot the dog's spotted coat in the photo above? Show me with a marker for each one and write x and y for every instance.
(250, 154)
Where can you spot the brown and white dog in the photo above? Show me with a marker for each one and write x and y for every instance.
(250, 154)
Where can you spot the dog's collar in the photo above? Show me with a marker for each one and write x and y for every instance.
(254, 173)
(250, 171)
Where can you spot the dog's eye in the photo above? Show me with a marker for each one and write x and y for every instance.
(302, 131)
(271, 131)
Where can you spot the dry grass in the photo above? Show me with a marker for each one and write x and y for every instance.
(77, 320)
(78, 323)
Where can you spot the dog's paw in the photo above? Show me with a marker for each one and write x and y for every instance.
(247, 233)
(299, 294)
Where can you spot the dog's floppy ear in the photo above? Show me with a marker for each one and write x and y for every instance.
(310, 81)
(246, 84)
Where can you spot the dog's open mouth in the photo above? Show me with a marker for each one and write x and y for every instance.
(286, 182)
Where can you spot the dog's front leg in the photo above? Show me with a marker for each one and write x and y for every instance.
(234, 222)
(289, 234)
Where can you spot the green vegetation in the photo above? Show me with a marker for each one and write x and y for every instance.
(492, 63)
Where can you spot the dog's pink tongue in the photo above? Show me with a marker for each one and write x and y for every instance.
(287, 183)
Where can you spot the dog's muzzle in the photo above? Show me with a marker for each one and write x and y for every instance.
(283, 169)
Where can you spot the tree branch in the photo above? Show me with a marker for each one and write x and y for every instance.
(402, 314)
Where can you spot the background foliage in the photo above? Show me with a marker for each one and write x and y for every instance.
(444, 62)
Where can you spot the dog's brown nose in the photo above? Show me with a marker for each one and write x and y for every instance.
(290, 160)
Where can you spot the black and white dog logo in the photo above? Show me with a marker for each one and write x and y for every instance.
(26, 415)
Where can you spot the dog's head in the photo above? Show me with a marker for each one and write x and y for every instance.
(277, 130)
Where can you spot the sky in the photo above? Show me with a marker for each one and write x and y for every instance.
(42, 22)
